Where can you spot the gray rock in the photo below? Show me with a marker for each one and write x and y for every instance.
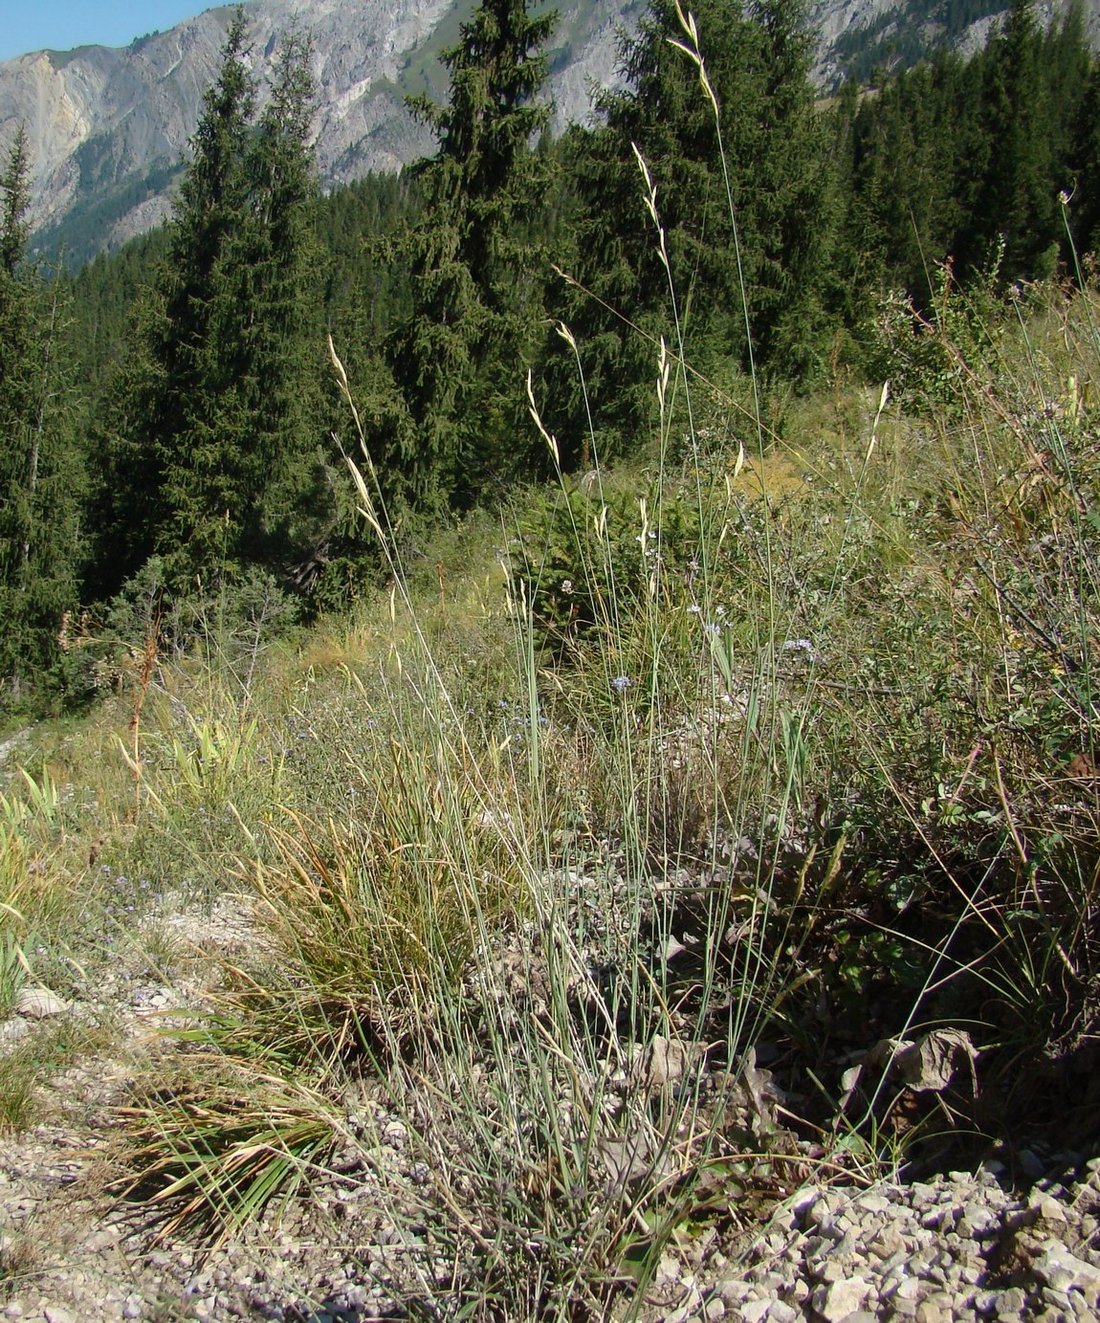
(800, 1204)
(839, 1299)
(1011, 1303)
(936, 1309)
(39, 1003)
(733, 1291)
(910, 1288)
(1063, 1271)
(799, 1291)
(1051, 1209)
(976, 1219)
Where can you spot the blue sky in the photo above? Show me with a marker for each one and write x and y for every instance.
(31, 25)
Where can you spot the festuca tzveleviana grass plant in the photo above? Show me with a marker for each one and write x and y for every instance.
(546, 948)
(758, 766)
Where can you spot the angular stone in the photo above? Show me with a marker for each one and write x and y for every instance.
(733, 1291)
(976, 1220)
(1011, 1303)
(1051, 1210)
(842, 1298)
(929, 1312)
(886, 1245)
(912, 1288)
(1063, 1271)
(803, 1201)
(818, 1214)
(39, 1003)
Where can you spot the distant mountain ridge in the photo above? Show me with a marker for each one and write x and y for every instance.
(109, 127)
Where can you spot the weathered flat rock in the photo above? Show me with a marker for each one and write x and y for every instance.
(39, 1004)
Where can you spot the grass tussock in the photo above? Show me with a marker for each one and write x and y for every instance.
(641, 878)
(632, 902)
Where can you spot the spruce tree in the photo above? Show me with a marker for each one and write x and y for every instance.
(1086, 163)
(1016, 205)
(270, 263)
(38, 478)
(794, 216)
(197, 430)
(913, 156)
(458, 362)
(207, 426)
(757, 63)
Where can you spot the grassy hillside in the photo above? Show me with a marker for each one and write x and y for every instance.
(679, 835)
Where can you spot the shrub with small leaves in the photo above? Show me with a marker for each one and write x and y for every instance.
(590, 557)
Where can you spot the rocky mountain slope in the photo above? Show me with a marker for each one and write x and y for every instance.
(108, 127)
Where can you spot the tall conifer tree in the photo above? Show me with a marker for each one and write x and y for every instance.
(207, 419)
(197, 434)
(757, 63)
(458, 362)
(270, 263)
(1017, 203)
(38, 473)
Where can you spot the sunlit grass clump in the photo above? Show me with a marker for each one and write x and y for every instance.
(794, 773)
(617, 854)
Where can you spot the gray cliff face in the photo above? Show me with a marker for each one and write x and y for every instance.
(834, 20)
(108, 128)
(96, 116)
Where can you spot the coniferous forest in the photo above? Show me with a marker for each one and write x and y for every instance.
(170, 411)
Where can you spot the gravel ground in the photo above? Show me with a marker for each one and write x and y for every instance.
(958, 1246)
(961, 1246)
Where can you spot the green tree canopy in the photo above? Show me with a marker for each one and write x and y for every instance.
(209, 416)
(457, 363)
(762, 241)
(39, 480)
